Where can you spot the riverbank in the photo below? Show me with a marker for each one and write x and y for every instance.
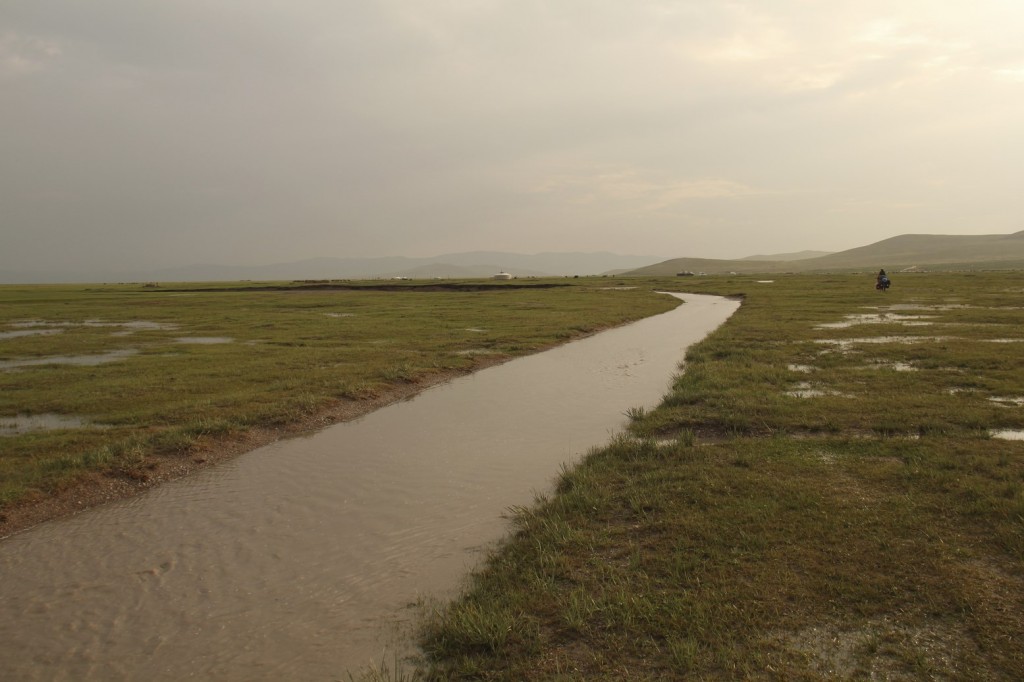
(829, 491)
(138, 385)
(102, 487)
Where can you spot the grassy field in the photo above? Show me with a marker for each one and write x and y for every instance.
(112, 380)
(820, 496)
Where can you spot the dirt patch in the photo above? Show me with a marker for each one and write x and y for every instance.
(100, 488)
(883, 648)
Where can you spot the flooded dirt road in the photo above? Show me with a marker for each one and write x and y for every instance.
(300, 560)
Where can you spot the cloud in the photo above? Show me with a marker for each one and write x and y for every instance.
(21, 54)
(640, 189)
(794, 47)
(1013, 74)
(202, 130)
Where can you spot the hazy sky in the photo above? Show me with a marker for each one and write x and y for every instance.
(149, 133)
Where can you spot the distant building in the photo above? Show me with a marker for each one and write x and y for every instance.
(684, 273)
(503, 275)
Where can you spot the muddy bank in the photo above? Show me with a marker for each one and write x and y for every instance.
(100, 488)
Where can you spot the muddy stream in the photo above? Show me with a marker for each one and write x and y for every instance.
(304, 559)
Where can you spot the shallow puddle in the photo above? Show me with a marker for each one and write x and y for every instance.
(135, 325)
(296, 560)
(921, 306)
(23, 423)
(84, 360)
(878, 318)
(895, 366)
(1017, 401)
(805, 393)
(204, 340)
(845, 344)
(29, 332)
(1008, 434)
(807, 390)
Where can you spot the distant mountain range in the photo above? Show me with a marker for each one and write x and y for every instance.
(449, 266)
(905, 252)
(909, 251)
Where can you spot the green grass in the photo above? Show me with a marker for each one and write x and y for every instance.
(294, 352)
(874, 531)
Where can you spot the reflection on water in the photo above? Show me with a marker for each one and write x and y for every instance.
(29, 332)
(878, 318)
(893, 365)
(805, 389)
(137, 325)
(85, 360)
(23, 423)
(805, 369)
(297, 560)
(204, 340)
(846, 344)
(1008, 400)
(1008, 434)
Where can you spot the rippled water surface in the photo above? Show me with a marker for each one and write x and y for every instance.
(300, 560)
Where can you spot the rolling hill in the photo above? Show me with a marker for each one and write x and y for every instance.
(916, 251)
(799, 255)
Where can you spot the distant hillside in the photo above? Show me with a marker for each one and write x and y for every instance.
(919, 251)
(449, 271)
(928, 249)
(799, 255)
(708, 266)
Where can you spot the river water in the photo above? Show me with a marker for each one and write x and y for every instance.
(303, 559)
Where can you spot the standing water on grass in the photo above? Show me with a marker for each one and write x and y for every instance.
(304, 559)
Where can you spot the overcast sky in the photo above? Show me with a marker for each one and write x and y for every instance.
(151, 133)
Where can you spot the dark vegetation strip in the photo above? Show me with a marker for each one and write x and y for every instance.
(336, 286)
(873, 530)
